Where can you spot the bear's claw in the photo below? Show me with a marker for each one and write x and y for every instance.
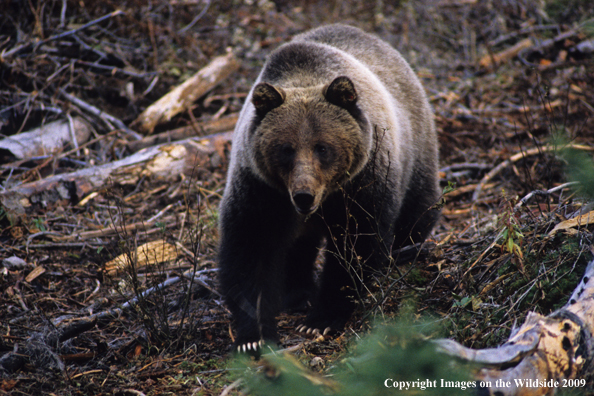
(314, 331)
(253, 347)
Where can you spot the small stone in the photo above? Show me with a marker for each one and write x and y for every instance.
(14, 263)
(317, 361)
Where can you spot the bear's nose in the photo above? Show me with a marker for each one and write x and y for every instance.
(303, 201)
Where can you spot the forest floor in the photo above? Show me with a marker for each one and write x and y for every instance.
(512, 87)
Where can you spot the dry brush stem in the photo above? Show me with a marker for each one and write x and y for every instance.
(545, 351)
(183, 96)
(69, 326)
(109, 120)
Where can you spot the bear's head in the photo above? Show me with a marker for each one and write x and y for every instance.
(309, 141)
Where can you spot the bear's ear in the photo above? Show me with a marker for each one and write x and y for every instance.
(341, 92)
(267, 97)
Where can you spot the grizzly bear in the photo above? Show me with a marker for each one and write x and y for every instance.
(334, 153)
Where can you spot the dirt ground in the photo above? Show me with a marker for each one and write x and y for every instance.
(511, 83)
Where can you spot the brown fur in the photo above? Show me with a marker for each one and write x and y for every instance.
(301, 145)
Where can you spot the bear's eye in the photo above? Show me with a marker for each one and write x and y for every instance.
(320, 149)
(287, 151)
(286, 154)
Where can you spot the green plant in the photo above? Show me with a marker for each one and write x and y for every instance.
(511, 234)
(588, 27)
(566, 11)
(580, 168)
(39, 224)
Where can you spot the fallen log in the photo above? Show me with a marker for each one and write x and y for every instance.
(491, 60)
(184, 95)
(220, 125)
(166, 161)
(47, 139)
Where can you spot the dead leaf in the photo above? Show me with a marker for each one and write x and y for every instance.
(8, 384)
(545, 62)
(580, 221)
(37, 271)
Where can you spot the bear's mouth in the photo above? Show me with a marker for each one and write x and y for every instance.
(304, 202)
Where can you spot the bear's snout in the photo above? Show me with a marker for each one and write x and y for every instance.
(304, 202)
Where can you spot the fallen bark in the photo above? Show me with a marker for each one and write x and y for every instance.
(166, 161)
(184, 95)
(146, 255)
(576, 222)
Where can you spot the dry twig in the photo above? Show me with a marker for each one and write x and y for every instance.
(106, 118)
(515, 158)
(542, 193)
